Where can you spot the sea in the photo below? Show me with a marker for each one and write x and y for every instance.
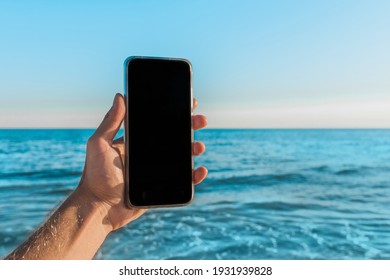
(270, 194)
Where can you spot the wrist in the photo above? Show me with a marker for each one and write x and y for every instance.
(91, 210)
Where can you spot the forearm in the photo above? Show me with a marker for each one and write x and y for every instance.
(75, 230)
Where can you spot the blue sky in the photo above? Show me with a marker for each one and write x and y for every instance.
(260, 64)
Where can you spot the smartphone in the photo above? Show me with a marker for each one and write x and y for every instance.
(158, 132)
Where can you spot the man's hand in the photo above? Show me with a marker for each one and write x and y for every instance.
(103, 175)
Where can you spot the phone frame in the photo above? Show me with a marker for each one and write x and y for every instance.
(127, 151)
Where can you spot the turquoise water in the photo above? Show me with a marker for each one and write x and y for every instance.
(270, 194)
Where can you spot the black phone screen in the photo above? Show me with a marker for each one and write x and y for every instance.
(158, 132)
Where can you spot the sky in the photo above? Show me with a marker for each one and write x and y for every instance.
(257, 64)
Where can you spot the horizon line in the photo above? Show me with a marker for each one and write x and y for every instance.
(210, 128)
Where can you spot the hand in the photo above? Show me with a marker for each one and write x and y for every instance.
(103, 178)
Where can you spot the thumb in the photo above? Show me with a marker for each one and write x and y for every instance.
(113, 119)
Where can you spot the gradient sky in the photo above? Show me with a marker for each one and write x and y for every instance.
(281, 64)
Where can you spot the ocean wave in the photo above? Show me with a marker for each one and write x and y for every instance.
(42, 174)
(282, 206)
(349, 171)
(260, 180)
(321, 168)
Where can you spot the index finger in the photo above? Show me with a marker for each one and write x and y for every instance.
(118, 145)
